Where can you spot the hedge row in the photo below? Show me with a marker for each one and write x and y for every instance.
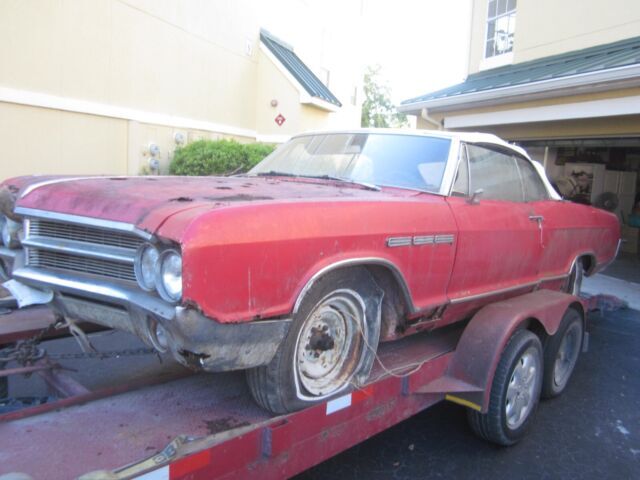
(219, 157)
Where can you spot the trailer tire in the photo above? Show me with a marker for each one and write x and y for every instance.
(515, 392)
(325, 352)
(561, 354)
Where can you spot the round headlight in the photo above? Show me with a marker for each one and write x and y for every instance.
(11, 233)
(146, 265)
(169, 276)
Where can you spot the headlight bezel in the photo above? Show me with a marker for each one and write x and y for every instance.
(164, 292)
(139, 266)
(152, 278)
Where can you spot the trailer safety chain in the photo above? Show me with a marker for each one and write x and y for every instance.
(131, 352)
(27, 352)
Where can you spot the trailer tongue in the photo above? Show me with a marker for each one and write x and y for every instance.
(207, 426)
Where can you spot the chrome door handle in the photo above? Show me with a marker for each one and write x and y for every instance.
(536, 218)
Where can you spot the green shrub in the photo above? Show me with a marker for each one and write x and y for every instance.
(220, 157)
(257, 151)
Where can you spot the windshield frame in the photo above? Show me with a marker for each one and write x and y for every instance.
(447, 176)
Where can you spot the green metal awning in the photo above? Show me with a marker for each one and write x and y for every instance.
(576, 64)
(298, 69)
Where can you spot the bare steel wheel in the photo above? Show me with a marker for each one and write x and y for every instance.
(515, 392)
(329, 342)
(330, 346)
(561, 354)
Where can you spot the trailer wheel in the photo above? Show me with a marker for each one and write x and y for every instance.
(561, 354)
(329, 348)
(515, 392)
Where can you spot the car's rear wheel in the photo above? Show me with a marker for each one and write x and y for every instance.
(329, 348)
(561, 354)
(515, 392)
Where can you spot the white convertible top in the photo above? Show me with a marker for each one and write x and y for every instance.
(467, 137)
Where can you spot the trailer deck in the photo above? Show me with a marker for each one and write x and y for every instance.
(143, 419)
(200, 411)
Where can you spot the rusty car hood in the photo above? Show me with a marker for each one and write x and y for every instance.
(149, 200)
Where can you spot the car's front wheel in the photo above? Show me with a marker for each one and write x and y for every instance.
(329, 348)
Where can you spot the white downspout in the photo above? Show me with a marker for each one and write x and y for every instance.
(424, 114)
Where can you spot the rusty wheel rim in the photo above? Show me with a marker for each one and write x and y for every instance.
(329, 345)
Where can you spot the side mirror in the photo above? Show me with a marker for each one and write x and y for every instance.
(475, 198)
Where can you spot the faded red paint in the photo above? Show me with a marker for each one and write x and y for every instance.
(250, 245)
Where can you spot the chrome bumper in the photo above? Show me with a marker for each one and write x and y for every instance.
(95, 289)
(194, 339)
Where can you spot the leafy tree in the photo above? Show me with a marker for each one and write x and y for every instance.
(377, 109)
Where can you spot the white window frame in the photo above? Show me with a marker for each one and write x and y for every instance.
(498, 60)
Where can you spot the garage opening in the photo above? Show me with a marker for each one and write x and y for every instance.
(603, 172)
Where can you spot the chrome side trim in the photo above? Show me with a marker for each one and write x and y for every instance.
(398, 241)
(500, 291)
(97, 290)
(80, 220)
(104, 252)
(444, 238)
(420, 240)
(355, 262)
(423, 240)
(53, 181)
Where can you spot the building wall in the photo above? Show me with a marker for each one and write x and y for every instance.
(550, 27)
(105, 78)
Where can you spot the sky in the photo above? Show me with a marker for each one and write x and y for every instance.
(421, 45)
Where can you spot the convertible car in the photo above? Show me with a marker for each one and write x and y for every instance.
(296, 270)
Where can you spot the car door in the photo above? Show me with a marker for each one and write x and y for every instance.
(498, 245)
(569, 230)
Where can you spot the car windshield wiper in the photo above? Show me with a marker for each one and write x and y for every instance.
(273, 173)
(368, 186)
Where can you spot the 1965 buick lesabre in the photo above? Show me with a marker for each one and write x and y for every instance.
(297, 270)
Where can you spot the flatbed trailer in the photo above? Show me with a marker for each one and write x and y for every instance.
(202, 426)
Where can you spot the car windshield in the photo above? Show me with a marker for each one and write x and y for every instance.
(408, 161)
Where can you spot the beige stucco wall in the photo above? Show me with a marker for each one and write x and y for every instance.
(150, 68)
(550, 27)
(39, 141)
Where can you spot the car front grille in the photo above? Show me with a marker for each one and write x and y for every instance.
(84, 233)
(75, 263)
(77, 248)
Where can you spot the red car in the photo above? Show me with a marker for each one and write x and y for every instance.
(296, 270)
